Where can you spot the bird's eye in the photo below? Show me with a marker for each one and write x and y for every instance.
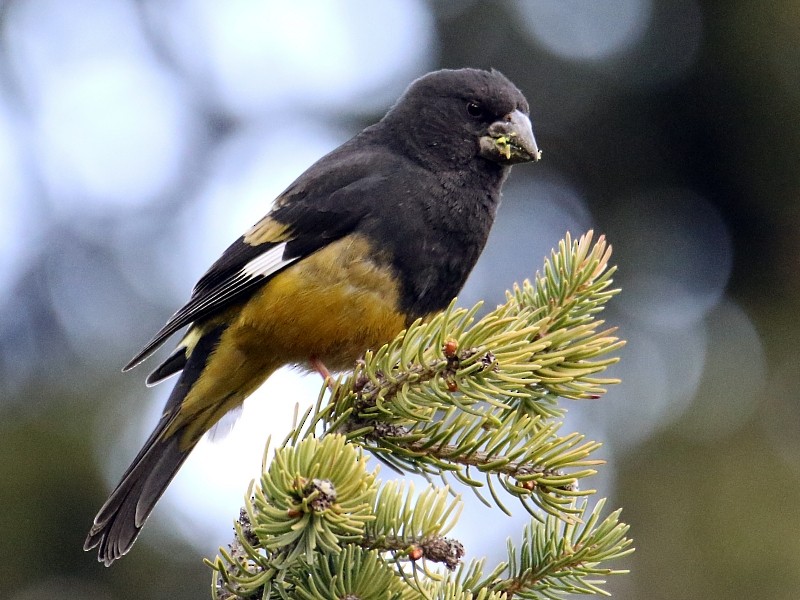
(474, 110)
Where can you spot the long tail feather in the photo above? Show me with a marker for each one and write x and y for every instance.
(121, 518)
(119, 521)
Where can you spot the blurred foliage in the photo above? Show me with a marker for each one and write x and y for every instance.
(712, 517)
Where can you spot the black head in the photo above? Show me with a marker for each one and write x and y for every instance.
(452, 117)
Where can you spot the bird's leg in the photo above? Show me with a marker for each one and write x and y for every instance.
(320, 368)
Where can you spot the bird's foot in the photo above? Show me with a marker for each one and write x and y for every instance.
(320, 368)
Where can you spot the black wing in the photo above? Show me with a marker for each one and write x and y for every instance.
(325, 204)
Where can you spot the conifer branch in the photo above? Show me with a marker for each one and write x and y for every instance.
(475, 399)
(457, 393)
(558, 557)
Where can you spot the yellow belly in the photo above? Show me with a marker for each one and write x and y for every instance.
(333, 305)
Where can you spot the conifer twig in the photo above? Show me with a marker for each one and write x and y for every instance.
(474, 398)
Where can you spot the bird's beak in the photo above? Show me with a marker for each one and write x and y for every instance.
(510, 140)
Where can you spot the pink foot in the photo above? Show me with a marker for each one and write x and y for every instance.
(320, 368)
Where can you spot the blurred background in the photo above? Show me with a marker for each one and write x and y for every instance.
(139, 138)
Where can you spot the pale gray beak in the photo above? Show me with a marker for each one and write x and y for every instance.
(510, 140)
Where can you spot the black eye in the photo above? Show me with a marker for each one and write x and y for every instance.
(475, 110)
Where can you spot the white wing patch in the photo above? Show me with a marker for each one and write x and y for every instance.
(263, 265)
(268, 263)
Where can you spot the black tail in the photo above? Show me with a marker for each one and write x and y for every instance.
(119, 521)
(121, 518)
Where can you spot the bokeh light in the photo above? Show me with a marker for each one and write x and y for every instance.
(14, 198)
(45, 37)
(109, 125)
(111, 132)
(592, 31)
(734, 376)
(669, 49)
(661, 369)
(267, 57)
(677, 256)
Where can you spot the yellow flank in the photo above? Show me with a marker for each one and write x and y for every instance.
(333, 305)
(266, 231)
(192, 336)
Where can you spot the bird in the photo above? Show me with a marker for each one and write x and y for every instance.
(380, 232)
